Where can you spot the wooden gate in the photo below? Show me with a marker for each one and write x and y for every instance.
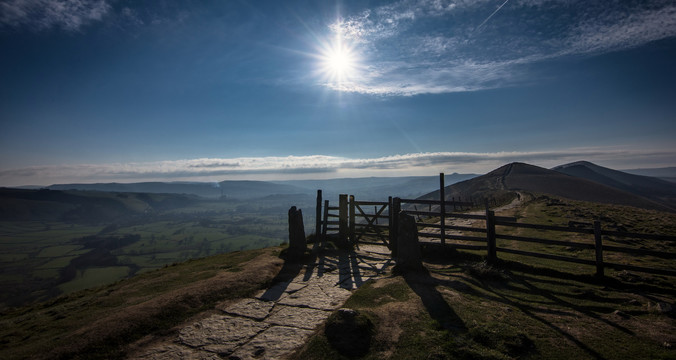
(356, 222)
(369, 227)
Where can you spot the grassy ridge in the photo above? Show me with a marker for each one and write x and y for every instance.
(100, 322)
(525, 308)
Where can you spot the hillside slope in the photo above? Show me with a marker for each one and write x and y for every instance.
(100, 323)
(652, 188)
(524, 177)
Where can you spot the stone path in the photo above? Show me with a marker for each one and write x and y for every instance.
(278, 320)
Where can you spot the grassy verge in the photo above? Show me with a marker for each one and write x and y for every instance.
(99, 323)
(473, 311)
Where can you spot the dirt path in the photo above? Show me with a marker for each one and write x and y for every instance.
(277, 321)
(451, 221)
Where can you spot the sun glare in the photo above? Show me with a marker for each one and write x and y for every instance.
(338, 62)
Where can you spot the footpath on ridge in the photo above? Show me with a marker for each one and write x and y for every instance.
(279, 320)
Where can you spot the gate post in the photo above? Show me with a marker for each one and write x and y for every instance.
(598, 246)
(395, 209)
(318, 216)
(408, 258)
(342, 221)
(442, 209)
(490, 237)
(353, 238)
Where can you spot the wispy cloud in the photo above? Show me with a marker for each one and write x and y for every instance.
(432, 46)
(322, 166)
(46, 14)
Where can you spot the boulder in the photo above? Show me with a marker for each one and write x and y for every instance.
(349, 332)
(297, 243)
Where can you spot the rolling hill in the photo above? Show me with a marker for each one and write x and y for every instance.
(524, 177)
(658, 190)
(234, 189)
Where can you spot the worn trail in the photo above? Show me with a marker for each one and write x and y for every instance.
(277, 321)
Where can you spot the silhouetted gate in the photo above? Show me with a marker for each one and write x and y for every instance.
(365, 222)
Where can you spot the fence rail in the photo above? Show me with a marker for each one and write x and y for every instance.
(354, 223)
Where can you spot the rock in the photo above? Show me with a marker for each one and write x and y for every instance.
(349, 332)
(297, 243)
(664, 308)
(409, 257)
(621, 314)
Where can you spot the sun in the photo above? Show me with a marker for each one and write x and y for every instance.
(338, 62)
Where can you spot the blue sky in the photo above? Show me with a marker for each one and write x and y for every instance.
(112, 90)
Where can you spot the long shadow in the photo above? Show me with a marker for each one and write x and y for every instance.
(424, 286)
(350, 275)
(282, 280)
(583, 309)
(433, 302)
(311, 261)
(528, 310)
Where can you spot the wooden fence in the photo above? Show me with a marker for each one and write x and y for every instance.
(353, 223)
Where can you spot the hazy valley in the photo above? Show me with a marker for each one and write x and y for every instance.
(82, 239)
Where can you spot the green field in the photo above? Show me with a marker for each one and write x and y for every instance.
(42, 259)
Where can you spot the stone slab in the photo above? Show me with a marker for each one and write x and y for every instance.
(252, 308)
(274, 293)
(174, 352)
(317, 297)
(220, 334)
(304, 318)
(273, 343)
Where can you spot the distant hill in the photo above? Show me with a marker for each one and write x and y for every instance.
(519, 176)
(231, 189)
(665, 173)
(257, 189)
(371, 188)
(658, 190)
(378, 188)
(198, 188)
(76, 206)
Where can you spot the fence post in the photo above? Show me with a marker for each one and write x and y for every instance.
(390, 216)
(342, 221)
(442, 209)
(490, 236)
(394, 224)
(598, 245)
(352, 224)
(318, 216)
